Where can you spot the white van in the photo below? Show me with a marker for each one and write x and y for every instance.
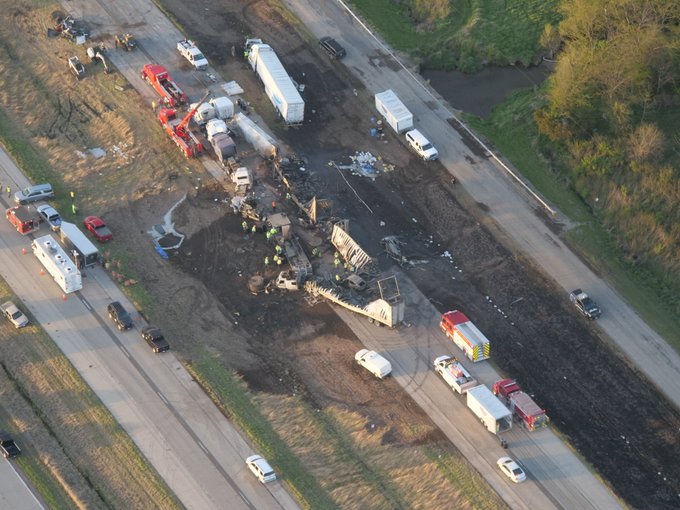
(421, 145)
(374, 363)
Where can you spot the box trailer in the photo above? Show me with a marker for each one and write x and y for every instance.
(85, 254)
(465, 335)
(393, 111)
(60, 267)
(493, 414)
(278, 85)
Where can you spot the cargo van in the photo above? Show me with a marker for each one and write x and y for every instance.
(374, 363)
(33, 194)
(421, 145)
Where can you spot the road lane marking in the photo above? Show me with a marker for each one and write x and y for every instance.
(125, 351)
(162, 397)
(87, 305)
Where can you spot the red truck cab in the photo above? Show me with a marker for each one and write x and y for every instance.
(159, 78)
(521, 404)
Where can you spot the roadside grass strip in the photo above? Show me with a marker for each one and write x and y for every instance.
(66, 420)
(511, 130)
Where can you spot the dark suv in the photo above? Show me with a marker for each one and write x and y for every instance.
(332, 47)
(119, 315)
(155, 339)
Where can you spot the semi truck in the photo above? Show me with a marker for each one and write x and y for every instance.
(264, 144)
(159, 78)
(278, 85)
(454, 373)
(57, 263)
(393, 111)
(521, 404)
(190, 51)
(84, 252)
(465, 335)
(495, 417)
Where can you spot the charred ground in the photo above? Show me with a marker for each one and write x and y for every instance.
(608, 411)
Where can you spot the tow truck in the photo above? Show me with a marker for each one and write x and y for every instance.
(178, 130)
(159, 78)
(585, 304)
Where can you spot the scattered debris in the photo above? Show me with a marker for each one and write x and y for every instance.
(232, 88)
(164, 235)
(97, 152)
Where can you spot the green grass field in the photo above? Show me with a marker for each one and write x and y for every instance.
(476, 32)
(512, 131)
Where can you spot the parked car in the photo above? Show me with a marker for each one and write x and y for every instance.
(13, 314)
(49, 215)
(33, 194)
(511, 469)
(585, 304)
(153, 336)
(7, 445)
(261, 468)
(119, 315)
(332, 47)
(98, 228)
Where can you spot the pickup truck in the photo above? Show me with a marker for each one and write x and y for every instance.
(454, 373)
(14, 315)
(190, 51)
(585, 304)
(7, 445)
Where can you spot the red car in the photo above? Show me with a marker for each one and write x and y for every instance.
(98, 228)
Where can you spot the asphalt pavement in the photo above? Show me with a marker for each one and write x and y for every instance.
(510, 205)
(14, 492)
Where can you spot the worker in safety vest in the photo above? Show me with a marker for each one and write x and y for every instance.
(278, 249)
(254, 229)
(244, 225)
(266, 261)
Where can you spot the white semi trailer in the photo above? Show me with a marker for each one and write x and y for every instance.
(57, 263)
(492, 413)
(393, 111)
(278, 85)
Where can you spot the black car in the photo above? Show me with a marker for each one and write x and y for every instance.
(155, 339)
(119, 315)
(585, 304)
(7, 445)
(332, 47)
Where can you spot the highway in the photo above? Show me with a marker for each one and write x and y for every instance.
(193, 446)
(510, 206)
(14, 493)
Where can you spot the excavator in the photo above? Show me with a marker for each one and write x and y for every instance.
(97, 53)
(126, 41)
(178, 130)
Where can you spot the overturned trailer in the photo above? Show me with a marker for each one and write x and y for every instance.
(387, 310)
(264, 144)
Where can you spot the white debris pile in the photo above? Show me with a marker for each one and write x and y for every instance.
(118, 152)
(232, 88)
(363, 163)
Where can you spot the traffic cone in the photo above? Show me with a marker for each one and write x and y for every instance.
(42, 272)
(64, 297)
(23, 251)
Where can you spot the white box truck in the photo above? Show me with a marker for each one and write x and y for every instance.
(493, 414)
(278, 85)
(393, 111)
(60, 267)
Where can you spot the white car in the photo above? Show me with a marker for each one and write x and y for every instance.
(374, 363)
(261, 469)
(14, 315)
(421, 145)
(511, 469)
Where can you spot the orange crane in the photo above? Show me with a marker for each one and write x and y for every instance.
(178, 129)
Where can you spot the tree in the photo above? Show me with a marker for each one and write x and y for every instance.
(646, 143)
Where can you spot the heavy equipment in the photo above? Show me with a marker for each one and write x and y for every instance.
(178, 130)
(126, 41)
(159, 78)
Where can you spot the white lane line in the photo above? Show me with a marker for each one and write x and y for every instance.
(125, 351)
(87, 305)
(162, 397)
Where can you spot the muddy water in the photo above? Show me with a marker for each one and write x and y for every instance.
(479, 93)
